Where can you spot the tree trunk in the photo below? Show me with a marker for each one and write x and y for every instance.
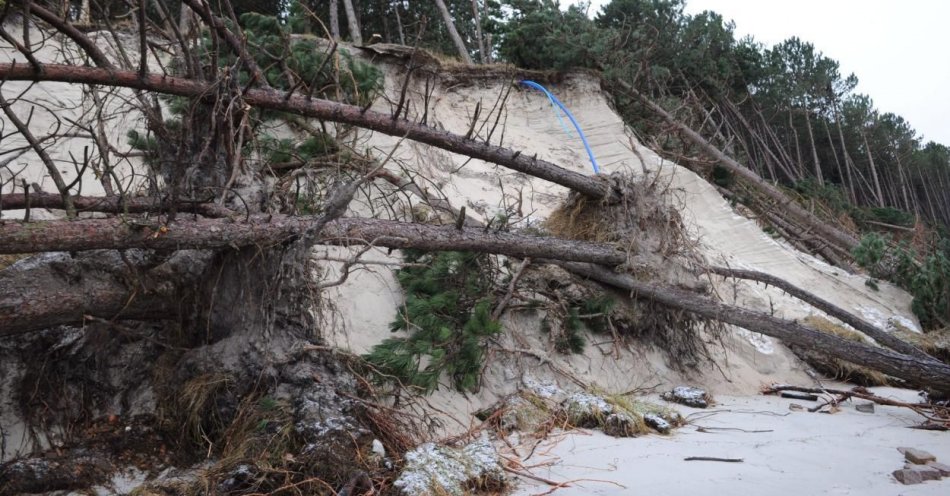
(326, 110)
(59, 288)
(882, 337)
(848, 162)
(926, 373)
(352, 23)
(335, 20)
(834, 153)
(402, 35)
(453, 33)
(110, 204)
(96, 234)
(814, 150)
(798, 149)
(877, 181)
(909, 205)
(478, 32)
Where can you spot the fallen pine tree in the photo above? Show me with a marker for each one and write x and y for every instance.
(219, 233)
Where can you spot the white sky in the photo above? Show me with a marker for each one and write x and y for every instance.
(899, 50)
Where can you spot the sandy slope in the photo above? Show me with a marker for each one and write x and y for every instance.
(724, 236)
(803, 453)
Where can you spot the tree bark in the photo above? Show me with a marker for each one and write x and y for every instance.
(830, 232)
(814, 149)
(326, 110)
(264, 230)
(882, 337)
(352, 23)
(877, 181)
(402, 34)
(335, 20)
(482, 56)
(834, 153)
(848, 162)
(57, 288)
(111, 204)
(798, 148)
(453, 33)
(919, 372)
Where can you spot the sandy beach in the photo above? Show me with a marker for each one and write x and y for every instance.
(782, 452)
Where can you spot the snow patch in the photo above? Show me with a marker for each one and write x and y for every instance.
(882, 321)
(542, 389)
(432, 469)
(762, 343)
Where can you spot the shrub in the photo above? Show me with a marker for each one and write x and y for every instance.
(927, 278)
(447, 316)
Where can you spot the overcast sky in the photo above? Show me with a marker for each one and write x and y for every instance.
(899, 50)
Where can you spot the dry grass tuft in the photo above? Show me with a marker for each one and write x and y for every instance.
(8, 260)
(196, 413)
(935, 342)
(651, 231)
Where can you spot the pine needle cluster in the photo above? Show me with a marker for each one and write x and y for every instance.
(446, 316)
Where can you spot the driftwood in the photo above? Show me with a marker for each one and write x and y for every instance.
(932, 412)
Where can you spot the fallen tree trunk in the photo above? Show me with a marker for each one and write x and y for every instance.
(111, 204)
(97, 234)
(926, 373)
(881, 336)
(58, 288)
(785, 203)
(321, 109)
(214, 233)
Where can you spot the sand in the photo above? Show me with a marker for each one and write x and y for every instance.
(848, 452)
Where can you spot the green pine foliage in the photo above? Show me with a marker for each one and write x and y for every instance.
(446, 316)
(567, 331)
(927, 278)
(571, 340)
(288, 61)
(274, 51)
(278, 150)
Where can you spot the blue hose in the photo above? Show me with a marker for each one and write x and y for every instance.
(558, 110)
(554, 99)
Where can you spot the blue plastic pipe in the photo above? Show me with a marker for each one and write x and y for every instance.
(554, 99)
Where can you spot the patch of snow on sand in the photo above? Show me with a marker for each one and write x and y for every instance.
(762, 343)
(878, 319)
(432, 469)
